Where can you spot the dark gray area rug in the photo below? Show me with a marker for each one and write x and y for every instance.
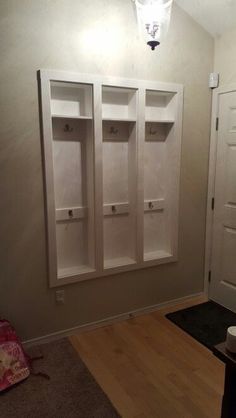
(207, 322)
(71, 392)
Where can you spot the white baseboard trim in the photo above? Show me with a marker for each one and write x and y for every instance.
(107, 321)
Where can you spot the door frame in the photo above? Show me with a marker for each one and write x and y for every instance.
(211, 178)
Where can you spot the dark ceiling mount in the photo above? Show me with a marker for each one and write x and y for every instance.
(153, 44)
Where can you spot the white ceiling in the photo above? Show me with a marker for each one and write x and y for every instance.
(216, 16)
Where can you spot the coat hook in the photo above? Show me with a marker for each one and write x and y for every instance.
(150, 205)
(70, 213)
(67, 128)
(151, 132)
(113, 209)
(113, 130)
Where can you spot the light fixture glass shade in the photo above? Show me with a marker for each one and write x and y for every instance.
(153, 19)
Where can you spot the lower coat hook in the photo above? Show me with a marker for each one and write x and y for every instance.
(70, 213)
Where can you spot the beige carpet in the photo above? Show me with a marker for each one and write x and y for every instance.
(71, 392)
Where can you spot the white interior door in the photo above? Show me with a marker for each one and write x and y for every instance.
(223, 266)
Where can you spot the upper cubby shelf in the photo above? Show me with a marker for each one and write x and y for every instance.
(70, 100)
(54, 116)
(119, 104)
(160, 106)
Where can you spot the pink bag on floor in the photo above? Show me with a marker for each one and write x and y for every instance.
(14, 363)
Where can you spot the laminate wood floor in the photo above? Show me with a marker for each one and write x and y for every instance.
(149, 368)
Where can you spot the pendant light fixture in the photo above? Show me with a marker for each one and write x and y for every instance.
(153, 19)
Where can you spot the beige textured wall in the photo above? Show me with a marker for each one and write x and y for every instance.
(225, 57)
(64, 34)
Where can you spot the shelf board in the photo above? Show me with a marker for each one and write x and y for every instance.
(113, 209)
(71, 214)
(118, 262)
(74, 271)
(119, 119)
(152, 205)
(159, 121)
(156, 255)
(72, 117)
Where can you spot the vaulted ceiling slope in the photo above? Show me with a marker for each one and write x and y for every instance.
(216, 16)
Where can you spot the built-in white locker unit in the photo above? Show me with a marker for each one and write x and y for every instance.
(112, 161)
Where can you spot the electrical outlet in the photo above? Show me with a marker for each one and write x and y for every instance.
(60, 297)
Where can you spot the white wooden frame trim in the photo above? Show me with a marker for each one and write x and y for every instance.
(45, 77)
(211, 179)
